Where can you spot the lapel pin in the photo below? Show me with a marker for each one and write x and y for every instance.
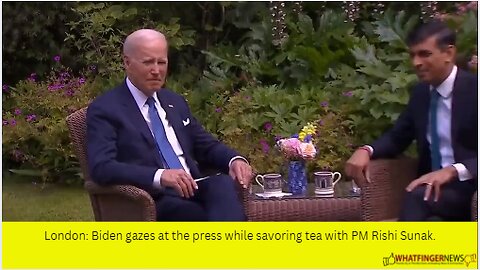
(170, 105)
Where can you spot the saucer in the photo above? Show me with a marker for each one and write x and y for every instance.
(331, 195)
(270, 195)
(324, 192)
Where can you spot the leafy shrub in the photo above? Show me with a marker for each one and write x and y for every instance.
(35, 135)
(101, 28)
(252, 120)
(32, 33)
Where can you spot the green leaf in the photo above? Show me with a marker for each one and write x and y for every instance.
(26, 172)
(305, 24)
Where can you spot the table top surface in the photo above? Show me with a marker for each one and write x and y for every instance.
(343, 189)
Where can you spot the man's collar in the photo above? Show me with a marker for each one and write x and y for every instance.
(139, 96)
(445, 89)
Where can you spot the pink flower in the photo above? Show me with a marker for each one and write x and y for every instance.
(265, 146)
(31, 117)
(473, 63)
(473, 5)
(268, 126)
(290, 147)
(69, 93)
(17, 111)
(56, 58)
(348, 93)
(308, 150)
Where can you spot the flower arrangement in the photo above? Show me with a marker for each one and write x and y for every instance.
(300, 146)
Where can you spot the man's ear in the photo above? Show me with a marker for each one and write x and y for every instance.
(126, 61)
(451, 52)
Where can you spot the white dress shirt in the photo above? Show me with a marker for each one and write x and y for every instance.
(444, 124)
(141, 99)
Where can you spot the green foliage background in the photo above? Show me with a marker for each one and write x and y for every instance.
(351, 78)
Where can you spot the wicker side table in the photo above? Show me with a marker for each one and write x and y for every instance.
(305, 209)
(342, 207)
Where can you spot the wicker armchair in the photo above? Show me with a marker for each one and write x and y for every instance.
(109, 203)
(115, 202)
(381, 199)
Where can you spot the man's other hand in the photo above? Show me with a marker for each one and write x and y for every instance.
(434, 180)
(241, 171)
(356, 167)
(179, 180)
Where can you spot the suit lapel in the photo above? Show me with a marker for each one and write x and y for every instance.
(136, 118)
(174, 118)
(460, 99)
(423, 113)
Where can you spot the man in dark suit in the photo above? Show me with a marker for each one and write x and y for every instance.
(442, 117)
(143, 135)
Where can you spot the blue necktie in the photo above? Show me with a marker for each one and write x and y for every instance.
(166, 149)
(434, 144)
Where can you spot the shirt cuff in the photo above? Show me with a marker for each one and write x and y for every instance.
(237, 157)
(157, 178)
(370, 148)
(463, 173)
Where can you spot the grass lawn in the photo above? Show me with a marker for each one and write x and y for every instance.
(24, 200)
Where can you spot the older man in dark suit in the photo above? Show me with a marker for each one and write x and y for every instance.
(442, 117)
(143, 135)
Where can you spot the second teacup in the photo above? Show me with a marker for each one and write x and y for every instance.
(271, 183)
(325, 182)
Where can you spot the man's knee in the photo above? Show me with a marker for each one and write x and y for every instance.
(416, 194)
(177, 209)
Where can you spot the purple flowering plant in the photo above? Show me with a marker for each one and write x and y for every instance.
(35, 135)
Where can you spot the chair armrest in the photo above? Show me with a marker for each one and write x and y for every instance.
(120, 203)
(381, 199)
(475, 206)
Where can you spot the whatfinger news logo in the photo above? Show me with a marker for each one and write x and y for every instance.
(453, 259)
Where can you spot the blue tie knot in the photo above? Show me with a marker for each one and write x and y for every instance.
(150, 102)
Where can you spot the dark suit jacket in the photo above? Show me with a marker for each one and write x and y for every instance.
(412, 124)
(122, 150)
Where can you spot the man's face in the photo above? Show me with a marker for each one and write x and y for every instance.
(432, 64)
(147, 65)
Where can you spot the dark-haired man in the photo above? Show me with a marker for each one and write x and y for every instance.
(442, 117)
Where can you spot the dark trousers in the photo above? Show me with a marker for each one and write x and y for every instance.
(215, 200)
(454, 204)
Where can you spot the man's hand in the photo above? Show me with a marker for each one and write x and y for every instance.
(434, 180)
(181, 181)
(356, 167)
(241, 171)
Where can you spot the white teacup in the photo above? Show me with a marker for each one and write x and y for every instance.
(325, 182)
(271, 183)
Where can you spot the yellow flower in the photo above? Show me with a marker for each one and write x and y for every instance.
(301, 136)
(309, 129)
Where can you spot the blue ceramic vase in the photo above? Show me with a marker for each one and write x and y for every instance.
(297, 177)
